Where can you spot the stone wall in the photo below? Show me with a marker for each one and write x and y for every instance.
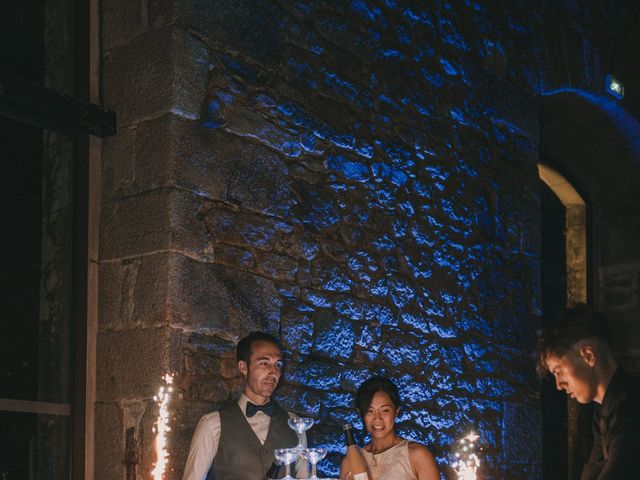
(357, 178)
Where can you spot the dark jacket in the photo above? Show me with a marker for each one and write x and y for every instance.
(616, 425)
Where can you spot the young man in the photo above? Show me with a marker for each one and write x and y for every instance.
(239, 440)
(577, 351)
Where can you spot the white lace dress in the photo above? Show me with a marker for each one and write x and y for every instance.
(392, 464)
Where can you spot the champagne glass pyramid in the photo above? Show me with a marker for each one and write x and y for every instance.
(286, 456)
(300, 425)
(313, 456)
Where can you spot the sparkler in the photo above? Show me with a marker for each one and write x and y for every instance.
(467, 462)
(162, 427)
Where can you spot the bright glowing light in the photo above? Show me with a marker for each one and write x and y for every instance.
(614, 86)
(162, 427)
(467, 461)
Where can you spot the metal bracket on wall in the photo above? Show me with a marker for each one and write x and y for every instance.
(31, 103)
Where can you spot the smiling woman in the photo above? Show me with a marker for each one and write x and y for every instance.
(388, 456)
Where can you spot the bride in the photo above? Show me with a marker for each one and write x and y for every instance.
(388, 456)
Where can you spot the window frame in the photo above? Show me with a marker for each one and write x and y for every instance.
(85, 121)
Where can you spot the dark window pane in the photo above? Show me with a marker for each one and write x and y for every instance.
(36, 216)
(34, 446)
(21, 151)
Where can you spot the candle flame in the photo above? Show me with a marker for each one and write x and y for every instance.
(467, 462)
(162, 427)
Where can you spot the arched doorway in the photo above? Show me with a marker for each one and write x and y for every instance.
(593, 146)
(566, 436)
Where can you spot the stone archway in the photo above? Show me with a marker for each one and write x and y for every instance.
(596, 144)
(575, 232)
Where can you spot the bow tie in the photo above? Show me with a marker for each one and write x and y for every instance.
(267, 408)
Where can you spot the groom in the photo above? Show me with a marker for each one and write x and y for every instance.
(237, 442)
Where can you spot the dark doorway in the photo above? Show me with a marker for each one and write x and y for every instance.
(554, 298)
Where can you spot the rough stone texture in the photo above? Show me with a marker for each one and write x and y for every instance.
(111, 438)
(161, 220)
(522, 433)
(212, 298)
(122, 21)
(358, 178)
(131, 69)
(132, 362)
(131, 422)
(249, 25)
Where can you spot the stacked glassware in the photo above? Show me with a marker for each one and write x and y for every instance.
(287, 456)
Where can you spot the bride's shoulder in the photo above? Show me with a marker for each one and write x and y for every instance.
(423, 462)
(418, 449)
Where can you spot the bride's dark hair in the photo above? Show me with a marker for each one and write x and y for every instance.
(369, 388)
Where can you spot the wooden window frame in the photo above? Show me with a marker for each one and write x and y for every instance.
(84, 120)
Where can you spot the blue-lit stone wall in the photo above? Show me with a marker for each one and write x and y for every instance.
(373, 167)
(359, 178)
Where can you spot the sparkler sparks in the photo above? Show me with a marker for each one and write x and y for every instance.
(162, 427)
(467, 461)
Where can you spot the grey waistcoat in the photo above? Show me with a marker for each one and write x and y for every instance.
(240, 454)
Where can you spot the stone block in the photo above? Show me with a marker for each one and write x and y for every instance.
(277, 267)
(297, 332)
(124, 443)
(258, 180)
(521, 433)
(236, 258)
(253, 27)
(206, 389)
(215, 345)
(297, 400)
(119, 169)
(334, 337)
(122, 21)
(174, 151)
(301, 245)
(131, 363)
(241, 229)
(314, 374)
(134, 293)
(201, 364)
(156, 73)
(162, 220)
(109, 441)
(213, 298)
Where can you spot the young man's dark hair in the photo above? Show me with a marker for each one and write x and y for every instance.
(243, 349)
(574, 323)
(369, 388)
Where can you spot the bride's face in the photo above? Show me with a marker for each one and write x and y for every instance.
(380, 416)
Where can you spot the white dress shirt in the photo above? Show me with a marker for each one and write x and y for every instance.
(205, 440)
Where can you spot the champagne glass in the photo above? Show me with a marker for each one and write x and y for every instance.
(286, 456)
(300, 425)
(313, 456)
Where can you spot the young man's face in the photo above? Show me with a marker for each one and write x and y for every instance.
(575, 373)
(262, 372)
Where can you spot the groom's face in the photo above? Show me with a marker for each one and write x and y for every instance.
(262, 372)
